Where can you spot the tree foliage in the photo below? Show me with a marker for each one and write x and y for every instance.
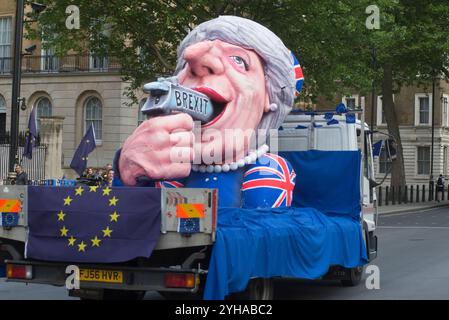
(329, 37)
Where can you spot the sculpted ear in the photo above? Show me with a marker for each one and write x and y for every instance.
(266, 107)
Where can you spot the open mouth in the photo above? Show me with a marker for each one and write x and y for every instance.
(218, 102)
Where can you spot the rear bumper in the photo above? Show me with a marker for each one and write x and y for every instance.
(134, 278)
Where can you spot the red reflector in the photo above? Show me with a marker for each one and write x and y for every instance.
(180, 280)
(18, 272)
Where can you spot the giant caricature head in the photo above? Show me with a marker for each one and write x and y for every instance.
(247, 72)
(251, 78)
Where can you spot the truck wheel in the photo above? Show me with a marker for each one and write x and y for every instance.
(355, 276)
(257, 289)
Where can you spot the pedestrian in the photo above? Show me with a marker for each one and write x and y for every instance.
(440, 188)
(107, 182)
(21, 175)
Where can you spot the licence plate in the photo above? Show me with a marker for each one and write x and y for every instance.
(110, 276)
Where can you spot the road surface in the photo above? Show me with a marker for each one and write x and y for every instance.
(413, 261)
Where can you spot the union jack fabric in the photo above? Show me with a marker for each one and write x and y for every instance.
(269, 183)
(299, 77)
(168, 184)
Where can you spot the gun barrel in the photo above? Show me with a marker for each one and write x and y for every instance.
(166, 97)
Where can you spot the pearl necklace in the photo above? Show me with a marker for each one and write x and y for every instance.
(250, 158)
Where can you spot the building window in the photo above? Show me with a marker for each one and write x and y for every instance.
(94, 115)
(2, 104)
(423, 112)
(2, 116)
(351, 102)
(49, 61)
(97, 63)
(444, 103)
(140, 116)
(5, 44)
(423, 160)
(445, 159)
(43, 109)
(384, 163)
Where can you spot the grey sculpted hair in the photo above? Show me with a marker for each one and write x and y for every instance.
(278, 65)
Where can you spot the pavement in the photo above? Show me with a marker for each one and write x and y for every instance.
(411, 207)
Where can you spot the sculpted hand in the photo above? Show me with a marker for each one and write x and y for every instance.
(160, 148)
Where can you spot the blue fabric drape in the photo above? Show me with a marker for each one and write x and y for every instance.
(289, 242)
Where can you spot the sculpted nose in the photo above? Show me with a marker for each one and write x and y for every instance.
(203, 59)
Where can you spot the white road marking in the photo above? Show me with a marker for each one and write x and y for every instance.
(410, 227)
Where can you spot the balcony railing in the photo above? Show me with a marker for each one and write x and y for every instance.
(65, 64)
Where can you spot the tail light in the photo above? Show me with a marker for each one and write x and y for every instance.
(14, 271)
(180, 280)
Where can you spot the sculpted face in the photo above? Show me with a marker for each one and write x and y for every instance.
(233, 78)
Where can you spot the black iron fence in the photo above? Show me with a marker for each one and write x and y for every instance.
(68, 63)
(35, 167)
(417, 193)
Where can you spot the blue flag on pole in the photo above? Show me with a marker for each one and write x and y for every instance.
(31, 135)
(86, 146)
(377, 147)
(92, 224)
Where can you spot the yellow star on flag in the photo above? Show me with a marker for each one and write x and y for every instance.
(81, 247)
(71, 241)
(114, 216)
(106, 191)
(95, 242)
(93, 188)
(107, 232)
(67, 201)
(113, 201)
(61, 216)
(79, 191)
(64, 231)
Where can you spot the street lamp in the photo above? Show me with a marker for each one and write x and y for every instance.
(17, 74)
(431, 183)
(17, 70)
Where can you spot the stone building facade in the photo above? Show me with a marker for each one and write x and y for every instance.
(414, 111)
(82, 89)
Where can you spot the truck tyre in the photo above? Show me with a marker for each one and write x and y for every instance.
(355, 276)
(257, 289)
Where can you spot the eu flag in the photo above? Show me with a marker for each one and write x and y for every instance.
(377, 148)
(31, 135)
(86, 146)
(92, 224)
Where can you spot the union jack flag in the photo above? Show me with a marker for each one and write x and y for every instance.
(168, 184)
(299, 77)
(269, 184)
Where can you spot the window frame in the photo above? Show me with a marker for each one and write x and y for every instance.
(5, 107)
(6, 47)
(418, 111)
(417, 161)
(98, 138)
(38, 116)
(383, 162)
(353, 96)
(445, 119)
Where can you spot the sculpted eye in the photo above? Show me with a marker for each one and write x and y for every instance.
(240, 62)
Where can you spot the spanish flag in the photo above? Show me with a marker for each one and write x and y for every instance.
(9, 205)
(190, 210)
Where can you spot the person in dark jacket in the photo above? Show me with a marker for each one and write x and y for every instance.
(21, 177)
(440, 188)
